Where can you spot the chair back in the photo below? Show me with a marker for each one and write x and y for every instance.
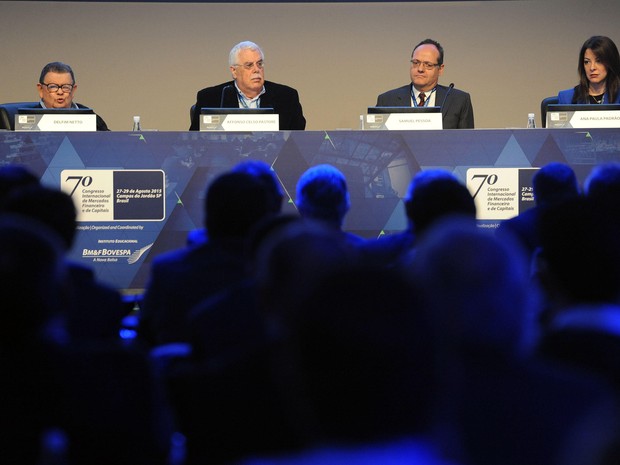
(543, 108)
(8, 112)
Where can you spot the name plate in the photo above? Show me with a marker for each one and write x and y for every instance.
(583, 119)
(403, 121)
(61, 122)
(240, 122)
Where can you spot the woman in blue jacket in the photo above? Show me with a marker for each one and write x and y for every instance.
(599, 74)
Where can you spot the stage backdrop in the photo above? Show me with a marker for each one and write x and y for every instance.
(139, 194)
(149, 59)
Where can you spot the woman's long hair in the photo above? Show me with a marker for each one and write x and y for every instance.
(607, 52)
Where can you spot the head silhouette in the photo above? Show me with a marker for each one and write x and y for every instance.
(322, 194)
(235, 202)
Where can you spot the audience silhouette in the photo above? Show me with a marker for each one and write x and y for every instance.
(180, 279)
(603, 182)
(432, 195)
(493, 397)
(322, 194)
(581, 273)
(263, 172)
(65, 401)
(32, 284)
(13, 177)
(552, 184)
(306, 344)
(95, 311)
(355, 371)
(225, 396)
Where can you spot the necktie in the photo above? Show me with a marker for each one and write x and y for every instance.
(422, 98)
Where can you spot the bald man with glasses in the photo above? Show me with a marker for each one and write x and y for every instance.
(248, 89)
(425, 91)
(57, 88)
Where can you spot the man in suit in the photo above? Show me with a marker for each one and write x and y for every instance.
(426, 67)
(57, 88)
(248, 89)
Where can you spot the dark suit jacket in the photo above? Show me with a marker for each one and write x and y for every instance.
(97, 311)
(585, 337)
(180, 279)
(524, 227)
(494, 404)
(457, 111)
(283, 99)
(390, 249)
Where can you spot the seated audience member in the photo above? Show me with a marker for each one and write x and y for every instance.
(363, 357)
(436, 194)
(234, 203)
(32, 283)
(114, 408)
(228, 404)
(13, 177)
(552, 184)
(248, 89)
(265, 174)
(104, 399)
(308, 247)
(598, 68)
(322, 194)
(581, 274)
(57, 88)
(603, 182)
(96, 310)
(62, 402)
(356, 371)
(432, 195)
(232, 320)
(492, 397)
(426, 68)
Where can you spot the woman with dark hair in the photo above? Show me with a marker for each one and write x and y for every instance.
(599, 74)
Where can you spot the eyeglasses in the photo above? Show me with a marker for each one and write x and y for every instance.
(54, 87)
(427, 64)
(260, 64)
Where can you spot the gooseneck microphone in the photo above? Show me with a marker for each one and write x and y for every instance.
(450, 87)
(224, 93)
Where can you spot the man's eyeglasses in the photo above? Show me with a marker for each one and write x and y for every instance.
(260, 64)
(54, 87)
(426, 64)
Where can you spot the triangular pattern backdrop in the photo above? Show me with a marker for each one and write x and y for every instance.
(378, 166)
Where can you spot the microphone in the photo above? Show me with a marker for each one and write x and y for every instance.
(450, 87)
(224, 93)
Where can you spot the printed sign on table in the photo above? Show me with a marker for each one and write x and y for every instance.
(501, 193)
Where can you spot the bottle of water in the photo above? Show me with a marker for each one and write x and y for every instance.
(136, 123)
(531, 121)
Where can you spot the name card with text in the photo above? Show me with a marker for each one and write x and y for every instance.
(56, 122)
(240, 122)
(403, 121)
(583, 116)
